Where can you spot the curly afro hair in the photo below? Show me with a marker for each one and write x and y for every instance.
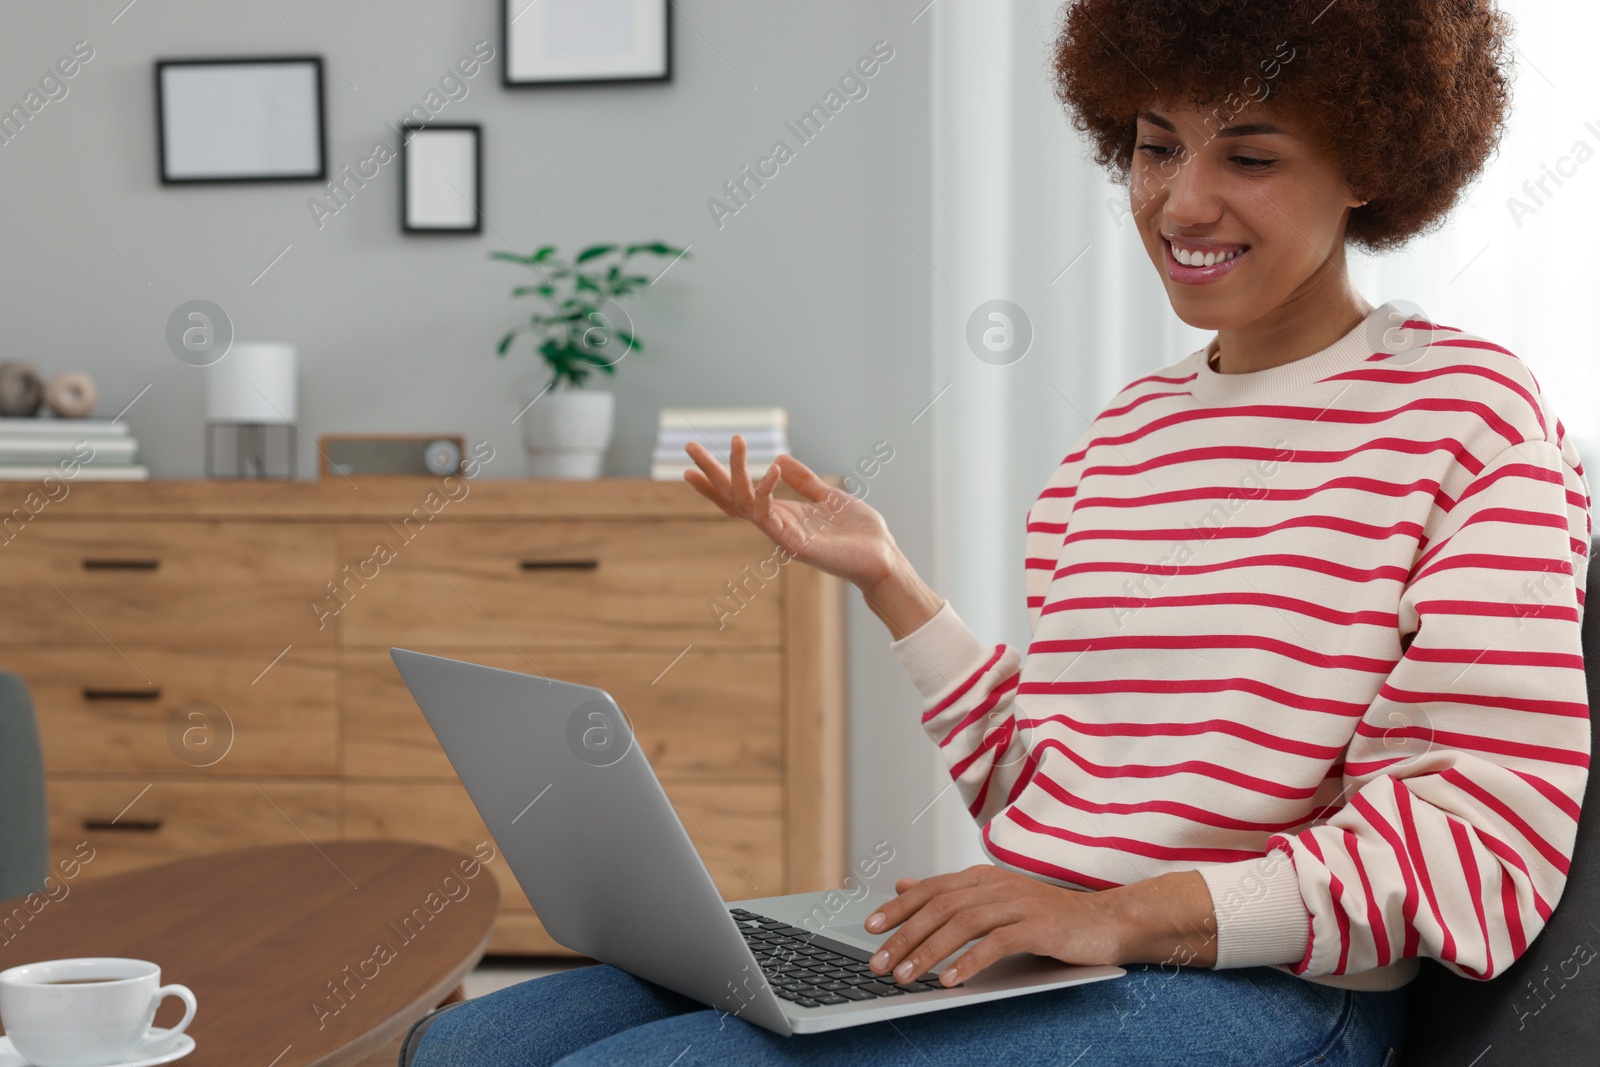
(1408, 97)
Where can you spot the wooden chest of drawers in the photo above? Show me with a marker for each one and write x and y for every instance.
(209, 663)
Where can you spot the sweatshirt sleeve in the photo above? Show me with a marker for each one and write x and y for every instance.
(967, 689)
(1463, 781)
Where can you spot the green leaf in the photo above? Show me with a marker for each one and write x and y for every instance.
(560, 329)
(529, 260)
(657, 248)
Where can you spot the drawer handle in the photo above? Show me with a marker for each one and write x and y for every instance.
(90, 693)
(560, 564)
(134, 825)
(121, 564)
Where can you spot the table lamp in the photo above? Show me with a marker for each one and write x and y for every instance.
(252, 390)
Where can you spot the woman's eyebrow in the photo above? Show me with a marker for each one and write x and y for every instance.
(1252, 129)
(1246, 129)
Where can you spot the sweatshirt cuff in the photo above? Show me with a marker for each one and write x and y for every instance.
(941, 653)
(1261, 918)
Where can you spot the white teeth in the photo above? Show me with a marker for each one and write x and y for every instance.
(1198, 259)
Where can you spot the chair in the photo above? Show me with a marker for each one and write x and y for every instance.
(24, 831)
(1454, 1020)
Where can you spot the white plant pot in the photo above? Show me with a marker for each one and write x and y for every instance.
(567, 432)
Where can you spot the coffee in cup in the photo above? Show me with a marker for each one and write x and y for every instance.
(88, 1012)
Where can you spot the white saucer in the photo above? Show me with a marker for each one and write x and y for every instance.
(185, 1045)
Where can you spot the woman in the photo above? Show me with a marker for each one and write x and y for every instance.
(1304, 700)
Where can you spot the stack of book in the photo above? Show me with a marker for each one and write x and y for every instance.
(765, 431)
(97, 450)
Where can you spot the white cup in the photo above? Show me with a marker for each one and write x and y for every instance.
(90, 1012)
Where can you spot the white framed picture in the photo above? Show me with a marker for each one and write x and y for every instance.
(441, 178)
(567, 42)
(240, 119)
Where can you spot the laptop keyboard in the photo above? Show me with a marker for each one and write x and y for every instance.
(812, 970)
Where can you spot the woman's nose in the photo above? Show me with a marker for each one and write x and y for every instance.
(1193, 195)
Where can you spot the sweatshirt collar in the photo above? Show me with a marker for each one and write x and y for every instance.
(1295, 380)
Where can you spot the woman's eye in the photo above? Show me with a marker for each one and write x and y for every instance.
(1159, 151)
(1253, 164)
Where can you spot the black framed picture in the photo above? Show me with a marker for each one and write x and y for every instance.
(240, 119)
(585, 42)
(441, 178)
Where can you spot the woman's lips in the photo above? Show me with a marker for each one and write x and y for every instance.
(1199, 275)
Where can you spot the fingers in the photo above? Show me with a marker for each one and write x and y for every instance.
(704, 487)
(764, 488)
(733, 485)
(743, 495)
(731, 490)
(715, 473)
(1000, 943)
(914, 893)
(973, 920)
(803, 480)
(917, 927)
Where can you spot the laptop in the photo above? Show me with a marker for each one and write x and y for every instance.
(583, 823)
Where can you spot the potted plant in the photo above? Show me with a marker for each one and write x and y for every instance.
(578, 327)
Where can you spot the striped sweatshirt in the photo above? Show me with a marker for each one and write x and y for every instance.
(1312, 631)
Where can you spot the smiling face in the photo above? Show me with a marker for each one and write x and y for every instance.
(1241, 221)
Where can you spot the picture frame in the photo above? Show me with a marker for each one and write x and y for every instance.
(441, 178)
(584, 42)
(241, 119)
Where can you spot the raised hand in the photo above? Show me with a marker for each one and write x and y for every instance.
(828, 529)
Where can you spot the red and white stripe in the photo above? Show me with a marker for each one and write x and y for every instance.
(1368, 658)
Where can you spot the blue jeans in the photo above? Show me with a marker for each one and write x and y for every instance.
(1254, 1017)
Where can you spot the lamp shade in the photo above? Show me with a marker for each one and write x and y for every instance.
(253, 383)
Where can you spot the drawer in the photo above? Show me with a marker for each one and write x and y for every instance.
(164, 711)
(737, 828)
(714, 713)
(435, 813)
(520, 933)
(524, 584)
(174, 818)
(155, 583)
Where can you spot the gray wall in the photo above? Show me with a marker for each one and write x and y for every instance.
(815, 296)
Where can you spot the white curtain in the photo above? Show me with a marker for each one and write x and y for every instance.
(1021, 215)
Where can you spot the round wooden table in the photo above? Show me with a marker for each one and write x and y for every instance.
(299, 955)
